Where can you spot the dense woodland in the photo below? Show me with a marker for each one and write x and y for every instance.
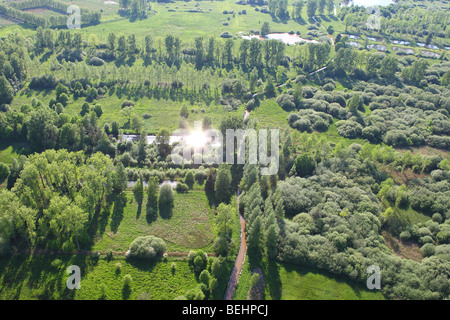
(335, 194)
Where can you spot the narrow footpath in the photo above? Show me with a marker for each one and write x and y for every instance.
(238, 264)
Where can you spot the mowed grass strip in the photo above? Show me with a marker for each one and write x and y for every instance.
(189, 227)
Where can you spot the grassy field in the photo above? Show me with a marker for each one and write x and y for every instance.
(290, 282)
(244, 282)
(189, 226)
(299, 283)
(43, 12)
(10, 150)
(162, 22)
(44, 277)
(164, 113)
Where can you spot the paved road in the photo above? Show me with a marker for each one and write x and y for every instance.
(237, 269)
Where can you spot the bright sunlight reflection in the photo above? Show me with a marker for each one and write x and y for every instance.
(196, 139)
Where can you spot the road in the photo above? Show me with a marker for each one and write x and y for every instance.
(240, 259)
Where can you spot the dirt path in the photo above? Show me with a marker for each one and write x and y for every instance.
(91, 253)
(237, 269)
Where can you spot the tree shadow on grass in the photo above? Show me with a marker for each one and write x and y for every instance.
(300, 21)
(104, 217)
(126, 292)
(144, 264)
(151, 212)
(302, 271)
(271, 272)
(166, 211)
(139, 199)
(273, 280)
(45, 56)
(324, 18)
(117, 214)
(211, 196)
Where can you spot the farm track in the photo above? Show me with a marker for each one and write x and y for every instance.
(91, 253)
(240, 259)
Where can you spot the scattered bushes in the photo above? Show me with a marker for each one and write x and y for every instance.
(182, 187)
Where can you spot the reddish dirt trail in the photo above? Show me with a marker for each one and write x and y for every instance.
(237, 269)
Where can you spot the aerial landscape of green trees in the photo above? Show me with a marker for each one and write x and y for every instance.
(88, 119)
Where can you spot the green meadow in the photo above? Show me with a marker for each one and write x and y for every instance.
(44, 277)
(189, 226)
(300, 283)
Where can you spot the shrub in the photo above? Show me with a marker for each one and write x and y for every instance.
(405, 235)
(189, 180)
(95, 61)
(329, 87)
(205, 277)
(127, 103)
(200, 177)
(182, 187)
(372, 133)
(226, 34)
(426, 239)
(56, 263)
(303, 125)
(437, 217)
(218, 267)
(147, 247)
(4, 171)
(118, 267)
(286, 102)
(337, 111)
(127, 280)
(396, 138)
(428, 249)
(166, 196)
(320, 126)
(98, 110)
(349, 129)
(292, 117)
(46, 81)
(198, 260)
